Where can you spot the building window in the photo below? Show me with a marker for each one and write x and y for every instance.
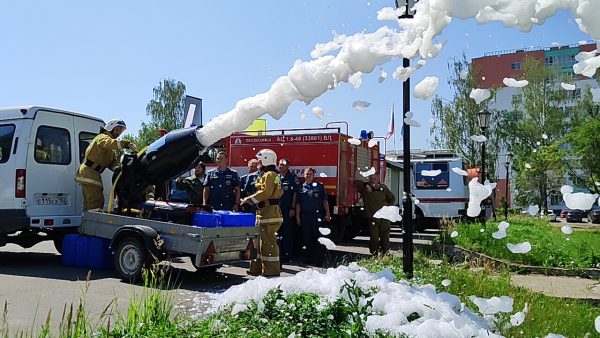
(515, 66)
(555, 198)
(574, 94)
(52, 145)
(517, 99)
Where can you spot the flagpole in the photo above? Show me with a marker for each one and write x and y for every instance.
(394, 113)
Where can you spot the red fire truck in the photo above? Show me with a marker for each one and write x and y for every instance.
(337, 163)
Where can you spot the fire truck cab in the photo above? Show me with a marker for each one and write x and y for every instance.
(337, 161)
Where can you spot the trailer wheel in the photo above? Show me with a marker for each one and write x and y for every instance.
(208, 269)
(130, 258)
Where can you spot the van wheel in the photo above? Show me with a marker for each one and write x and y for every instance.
(130, 259)
(419, 221)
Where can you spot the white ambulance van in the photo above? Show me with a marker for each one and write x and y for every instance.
(40, 151)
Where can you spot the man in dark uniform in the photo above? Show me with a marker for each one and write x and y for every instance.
(287, 203)
(222, 186)
(247, 184)
(312, 210)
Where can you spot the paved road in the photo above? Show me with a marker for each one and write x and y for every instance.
(34, 282)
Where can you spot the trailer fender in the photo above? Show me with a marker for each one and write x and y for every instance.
(151, 239)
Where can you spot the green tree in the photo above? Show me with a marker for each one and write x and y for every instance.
(538, 174)
(584, 142)
(166, 111)
(532, 131)
(456, 120)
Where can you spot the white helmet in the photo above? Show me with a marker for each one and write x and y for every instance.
(110, 125)
(267, 157)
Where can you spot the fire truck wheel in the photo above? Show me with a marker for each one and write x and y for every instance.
(339, 226)
(130, 259)
(351, 232)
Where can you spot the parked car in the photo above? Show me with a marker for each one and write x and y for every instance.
(594, 215)
(563, 213)
(551, 216)
(575, 215)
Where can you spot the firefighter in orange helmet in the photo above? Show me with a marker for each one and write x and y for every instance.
(99, 155)
(268, 215)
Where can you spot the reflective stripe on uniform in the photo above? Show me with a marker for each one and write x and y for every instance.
(84, 180)
(270, 220)
(254, 200)
(270, 259)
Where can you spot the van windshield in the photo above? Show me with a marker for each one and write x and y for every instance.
(440, 178)
(7, 131)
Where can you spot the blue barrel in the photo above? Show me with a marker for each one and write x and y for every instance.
(247, 219)
(82, 244)
(100, 257)
(238, 219)
(206, 219)
(68, 249)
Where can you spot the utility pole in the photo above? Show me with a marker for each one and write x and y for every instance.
(407, 203)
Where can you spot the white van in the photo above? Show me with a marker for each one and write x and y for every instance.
(444, 195)
(40, 151)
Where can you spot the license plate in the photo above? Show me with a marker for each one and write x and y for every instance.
(232, 246)
(51, 201)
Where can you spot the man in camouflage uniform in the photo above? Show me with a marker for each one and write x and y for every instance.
(194, 185)
(376, 195)
(268, 215)
(99, 155)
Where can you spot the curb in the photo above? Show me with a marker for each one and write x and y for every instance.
(459, 252)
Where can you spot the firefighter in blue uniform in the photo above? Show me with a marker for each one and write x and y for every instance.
(222, 186)
(287, 203)
(312, 211)
(247, 184)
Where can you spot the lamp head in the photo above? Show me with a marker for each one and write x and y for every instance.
(483, 118)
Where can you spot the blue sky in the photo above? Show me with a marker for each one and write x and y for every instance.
(104, 58)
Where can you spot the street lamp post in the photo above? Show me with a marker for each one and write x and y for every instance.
(507, 166)
(484, 123)
(407, 220)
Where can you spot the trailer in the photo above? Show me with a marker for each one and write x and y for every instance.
(138, 243)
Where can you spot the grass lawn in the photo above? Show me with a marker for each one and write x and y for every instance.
(549, 246)
(571, 318)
